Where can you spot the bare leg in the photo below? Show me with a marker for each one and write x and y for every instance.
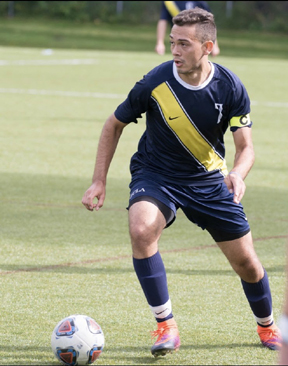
(243, 258)
(146, 223)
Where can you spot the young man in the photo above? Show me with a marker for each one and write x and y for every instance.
(180, 163)
(169, 9)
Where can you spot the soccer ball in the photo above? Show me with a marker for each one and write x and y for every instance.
(77, 340)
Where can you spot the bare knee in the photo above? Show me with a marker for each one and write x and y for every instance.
(144, 240)
(141, 233)
(249, 269)
(146, 224)
(243, 258)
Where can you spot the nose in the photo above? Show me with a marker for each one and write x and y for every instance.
(175, 50)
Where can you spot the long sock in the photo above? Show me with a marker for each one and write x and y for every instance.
(151, 274)
(259, 297)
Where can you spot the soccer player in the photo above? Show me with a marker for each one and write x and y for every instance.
(169, 9)
(189, 103)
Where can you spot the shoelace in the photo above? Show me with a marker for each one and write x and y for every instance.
(159, 331)
(269, 333)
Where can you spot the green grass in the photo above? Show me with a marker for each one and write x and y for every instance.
(49, 33)
(56, 258)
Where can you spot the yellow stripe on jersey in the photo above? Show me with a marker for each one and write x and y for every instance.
(186, 132)
(240, 121)
(172, 8)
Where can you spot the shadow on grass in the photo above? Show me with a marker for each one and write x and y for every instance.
(26, 355)
(40, 353)
(151, 360)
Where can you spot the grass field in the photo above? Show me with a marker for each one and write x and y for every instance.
(128, 37)
(56, 258)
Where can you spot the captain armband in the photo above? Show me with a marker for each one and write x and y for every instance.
(240, 121)
(283, 326)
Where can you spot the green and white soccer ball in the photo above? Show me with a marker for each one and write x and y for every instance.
(77, 340)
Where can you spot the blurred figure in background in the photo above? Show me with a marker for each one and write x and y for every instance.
(283, 322)
(168, 11)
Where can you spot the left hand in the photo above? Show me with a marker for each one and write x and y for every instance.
(236, 185)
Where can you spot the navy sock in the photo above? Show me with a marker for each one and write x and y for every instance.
(259, 297)
(151, 274)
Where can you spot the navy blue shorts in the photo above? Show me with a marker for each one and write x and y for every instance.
(210, 207)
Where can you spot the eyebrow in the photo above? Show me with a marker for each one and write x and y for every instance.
(180, 39)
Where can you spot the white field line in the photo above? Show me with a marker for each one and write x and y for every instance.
(63, 93)
(50, 62)
(105, 95)
(85, 94)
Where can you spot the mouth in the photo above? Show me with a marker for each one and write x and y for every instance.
(178, 63)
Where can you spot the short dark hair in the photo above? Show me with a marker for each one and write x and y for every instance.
(204, 21)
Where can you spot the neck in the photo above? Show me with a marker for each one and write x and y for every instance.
(197, 75)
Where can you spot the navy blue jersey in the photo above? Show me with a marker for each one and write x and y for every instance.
(170, 9)
(184, 138)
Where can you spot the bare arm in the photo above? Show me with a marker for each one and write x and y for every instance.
(243, 162)
(108, 142)
(161, 33)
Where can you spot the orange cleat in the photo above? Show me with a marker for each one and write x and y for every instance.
(168, 339)
(270, 336)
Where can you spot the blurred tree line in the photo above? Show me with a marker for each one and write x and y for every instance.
(271, 16)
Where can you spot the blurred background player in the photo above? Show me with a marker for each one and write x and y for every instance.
(168, 11)
(283, 322)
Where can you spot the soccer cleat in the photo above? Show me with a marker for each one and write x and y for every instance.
(168, 338)
(270, 336)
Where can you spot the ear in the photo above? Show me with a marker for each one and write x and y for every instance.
(207, 47)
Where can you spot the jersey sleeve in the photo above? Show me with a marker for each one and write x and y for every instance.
(164, 13)
(239, 115)
(203, 5)
(136, 103)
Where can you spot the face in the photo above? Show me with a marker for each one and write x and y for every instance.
(187, 51)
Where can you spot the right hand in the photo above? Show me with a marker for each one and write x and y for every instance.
(96, 190)
(160, 48)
